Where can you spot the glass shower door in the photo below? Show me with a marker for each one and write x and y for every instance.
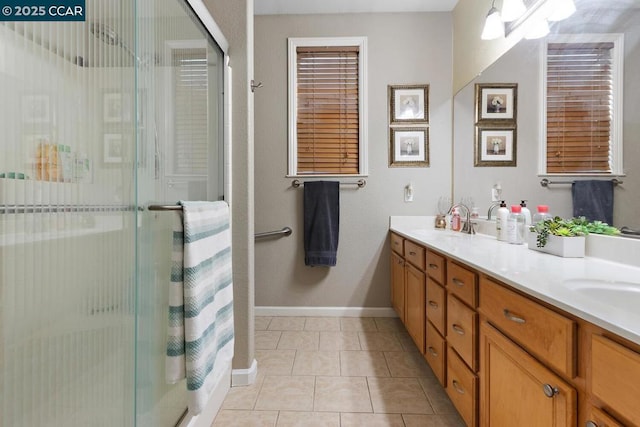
(180, 157)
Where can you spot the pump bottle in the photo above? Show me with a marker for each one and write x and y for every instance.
(525, 212)
(501, 221)
(455, 220)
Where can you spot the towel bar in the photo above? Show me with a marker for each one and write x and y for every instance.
(286, 231)
(545, 182)
(360, 183)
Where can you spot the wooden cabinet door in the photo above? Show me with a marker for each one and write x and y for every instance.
(517, 390)
(397, 285)
(415, 304)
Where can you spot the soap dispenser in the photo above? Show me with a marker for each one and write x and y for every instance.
(501, 221)
(525, 212)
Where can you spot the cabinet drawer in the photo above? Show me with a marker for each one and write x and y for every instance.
(435, 348)
(436, 266)
(462, 389)
(462, 331)
(414, 254)
(463, 283)
(397, 244)
(545, 333)
(597, 418)
(615, 377)
(436, 305)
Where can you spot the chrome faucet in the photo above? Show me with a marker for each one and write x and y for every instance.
(491, 208)
(468, 226)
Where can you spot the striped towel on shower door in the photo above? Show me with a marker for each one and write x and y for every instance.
(200, 336)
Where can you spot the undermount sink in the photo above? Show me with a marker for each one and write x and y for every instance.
(617, 293)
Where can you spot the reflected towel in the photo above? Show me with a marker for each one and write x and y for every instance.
(321, 222)
(593, 199)
(200, 335)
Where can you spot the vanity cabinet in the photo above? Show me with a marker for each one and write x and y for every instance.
(506, 358)
(518, 390)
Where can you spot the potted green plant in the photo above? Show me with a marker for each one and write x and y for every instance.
(549, 235)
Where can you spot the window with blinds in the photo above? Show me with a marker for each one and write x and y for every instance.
(326, 107)
(190, 80)
(582, 107)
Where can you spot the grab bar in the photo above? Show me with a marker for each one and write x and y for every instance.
(286, 231)
(545, 182)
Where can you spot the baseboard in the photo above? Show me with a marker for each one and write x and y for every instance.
(326, 311)
(243, 377)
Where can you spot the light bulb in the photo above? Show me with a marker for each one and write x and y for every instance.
(537, 29)
(562, 9)
(512, 10)
(493, 26)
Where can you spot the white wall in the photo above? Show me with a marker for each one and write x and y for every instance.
(403, 49)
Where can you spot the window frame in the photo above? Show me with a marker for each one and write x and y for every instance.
(293, 44)
(617, 119)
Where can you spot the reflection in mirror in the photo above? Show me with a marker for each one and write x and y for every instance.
(522, 65)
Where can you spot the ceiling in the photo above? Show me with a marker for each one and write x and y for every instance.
(290, 7)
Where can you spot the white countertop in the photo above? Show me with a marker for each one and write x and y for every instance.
(549, 278)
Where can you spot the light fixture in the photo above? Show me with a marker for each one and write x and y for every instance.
(512, 10)
(493, 26)
(538, 28)
(562, 9)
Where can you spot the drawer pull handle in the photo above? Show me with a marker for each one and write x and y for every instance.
(549, 390)
(591, 424)
(512, 317)
(433, 266)
(433, 304)
(456, 385)
(457, 282)
(412, 253)
(433, 352)
(457, 329)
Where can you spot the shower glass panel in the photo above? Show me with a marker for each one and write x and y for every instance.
(98, 120)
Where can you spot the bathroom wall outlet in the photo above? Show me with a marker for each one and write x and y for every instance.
(495, 195)
(408, 193)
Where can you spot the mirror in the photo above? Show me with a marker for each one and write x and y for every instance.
(522, 65)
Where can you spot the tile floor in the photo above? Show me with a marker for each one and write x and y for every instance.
(342, 372)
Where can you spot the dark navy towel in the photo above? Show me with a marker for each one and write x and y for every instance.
(321, 222)
(593, 200)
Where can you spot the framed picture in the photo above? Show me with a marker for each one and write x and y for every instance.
(408, 104)
(116, 108)
(496, 102)
(409, 147)
(36, 109)
(113, 148)
(495, 146)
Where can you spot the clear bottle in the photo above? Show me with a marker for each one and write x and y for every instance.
(501, 221)
(526, 212)
(515, 226)
(542, 214)
(455, 220)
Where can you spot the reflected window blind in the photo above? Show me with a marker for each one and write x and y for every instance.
(190, 86)
(328, 110)
(579, 107)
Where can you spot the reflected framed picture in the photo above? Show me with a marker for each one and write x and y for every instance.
(113, 148)
(409, 147)
(408, 104)
(495, 146)
(36, 109)
(116, 108)
(496, 102)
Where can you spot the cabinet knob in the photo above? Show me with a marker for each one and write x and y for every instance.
(549, 390)
(591, 424)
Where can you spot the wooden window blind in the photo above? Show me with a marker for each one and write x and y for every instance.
(327, 116)
(190, 80)
(579, 98)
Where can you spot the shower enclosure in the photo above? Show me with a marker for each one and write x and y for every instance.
(98, 120)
